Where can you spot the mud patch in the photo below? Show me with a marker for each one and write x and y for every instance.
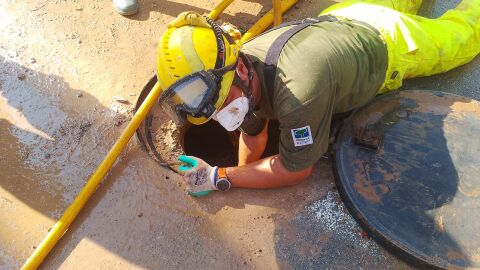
(210, 141)
(73, 129)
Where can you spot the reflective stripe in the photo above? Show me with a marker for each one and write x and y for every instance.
(188, 50)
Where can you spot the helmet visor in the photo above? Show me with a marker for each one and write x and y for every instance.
(193, 95)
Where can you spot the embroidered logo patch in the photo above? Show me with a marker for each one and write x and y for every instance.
(302, 136)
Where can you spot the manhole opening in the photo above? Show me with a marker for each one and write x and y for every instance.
(212, 143)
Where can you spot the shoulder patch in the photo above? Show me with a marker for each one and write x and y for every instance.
(302, 136)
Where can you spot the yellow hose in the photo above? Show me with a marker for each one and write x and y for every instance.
(72, 211)
(219, 9)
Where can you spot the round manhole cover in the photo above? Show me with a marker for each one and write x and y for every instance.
(408, 168)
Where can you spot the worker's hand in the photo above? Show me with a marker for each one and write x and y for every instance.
(198, 175)
(189, 18)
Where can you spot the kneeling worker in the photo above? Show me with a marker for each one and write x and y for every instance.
(301, 74)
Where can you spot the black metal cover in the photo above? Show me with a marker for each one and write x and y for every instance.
(408, 168)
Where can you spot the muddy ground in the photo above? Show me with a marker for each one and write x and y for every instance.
(64, 67)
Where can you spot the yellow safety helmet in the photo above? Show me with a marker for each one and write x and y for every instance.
(197, 58)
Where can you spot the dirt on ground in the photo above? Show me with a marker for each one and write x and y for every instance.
(70, 73)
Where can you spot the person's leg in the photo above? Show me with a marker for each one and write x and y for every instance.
(444, 43)
(405, 6)
(418, 46)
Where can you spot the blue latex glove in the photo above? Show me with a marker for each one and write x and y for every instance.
(199, 176)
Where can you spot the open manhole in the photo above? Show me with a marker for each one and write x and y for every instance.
(212, 143)
(165, 141)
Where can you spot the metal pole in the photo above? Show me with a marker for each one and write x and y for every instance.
(266, 20)
(277, 12)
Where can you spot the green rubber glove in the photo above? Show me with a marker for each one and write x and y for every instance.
(199, 176)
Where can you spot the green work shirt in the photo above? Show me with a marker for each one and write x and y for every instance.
(327, 68)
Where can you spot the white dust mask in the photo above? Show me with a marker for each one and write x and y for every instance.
(232, 115)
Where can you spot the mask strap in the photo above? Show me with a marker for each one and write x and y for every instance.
(247, 90)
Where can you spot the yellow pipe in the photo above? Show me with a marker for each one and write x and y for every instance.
(219, 9)
(266, 20)
(277, 13)
(72, 211)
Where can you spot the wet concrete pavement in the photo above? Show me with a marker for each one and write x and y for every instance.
(62, 63)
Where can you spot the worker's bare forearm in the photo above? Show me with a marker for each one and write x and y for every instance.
(250, 148)
(265, 173)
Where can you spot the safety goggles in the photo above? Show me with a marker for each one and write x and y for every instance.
(194, 95)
